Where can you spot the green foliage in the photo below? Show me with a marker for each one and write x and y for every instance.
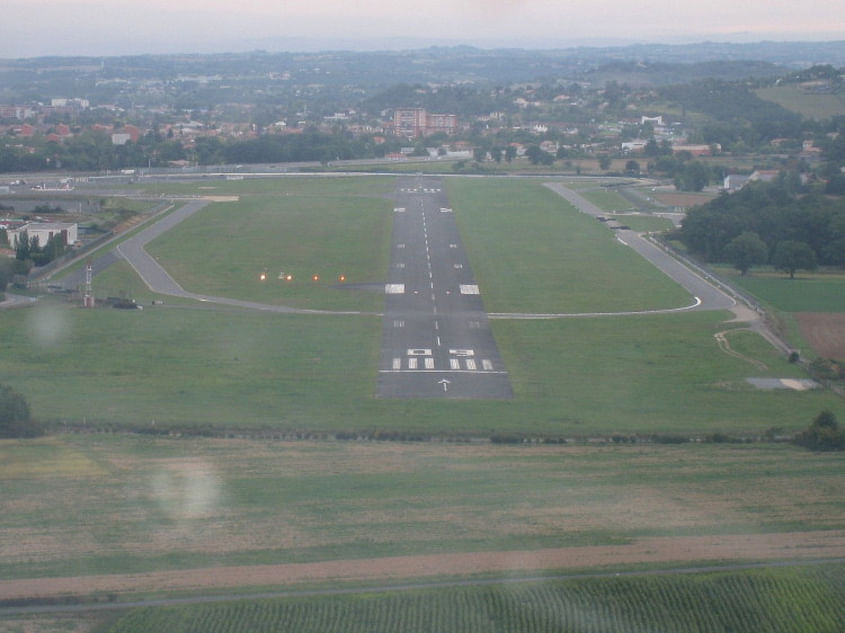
(745, 250)
(692, 176)
(792, 255)
(7, 271)
(742, 116)
(824, 434)
(775, 214)
(771, 601)
(15, 418)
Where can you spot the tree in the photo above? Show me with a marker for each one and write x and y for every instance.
(15, 418)
(604, 162)
(510, 153)
(693, 177)
(824, 434)
(745, 250)
(22, 246)
(632, 168)
(791, 255)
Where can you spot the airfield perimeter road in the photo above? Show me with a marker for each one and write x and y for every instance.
(436, 339)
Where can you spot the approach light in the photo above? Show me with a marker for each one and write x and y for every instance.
(262, 277)
(315, 277)
(288, 277)
(342, 278)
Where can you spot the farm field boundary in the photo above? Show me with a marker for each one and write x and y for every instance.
(655, 550)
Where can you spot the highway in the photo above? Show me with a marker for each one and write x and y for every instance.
(436, 338)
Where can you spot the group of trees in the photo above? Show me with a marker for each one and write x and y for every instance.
(766, 223)
(28, 249)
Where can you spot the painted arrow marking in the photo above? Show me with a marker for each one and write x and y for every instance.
(445, 384)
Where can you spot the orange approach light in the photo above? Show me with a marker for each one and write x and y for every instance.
(342, 278)
(262, 277)
(315, 277)
(288, 277)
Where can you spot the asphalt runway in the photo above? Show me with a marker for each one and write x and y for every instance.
(436, 338)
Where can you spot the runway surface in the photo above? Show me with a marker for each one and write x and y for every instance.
(436, 338)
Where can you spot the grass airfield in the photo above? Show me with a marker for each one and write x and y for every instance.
(189, 364)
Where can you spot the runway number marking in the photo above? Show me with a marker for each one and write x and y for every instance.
(394, 289)
(399, 210)
(469, 289)
(445, 210)
(398, 323)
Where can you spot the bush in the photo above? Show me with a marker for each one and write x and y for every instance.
(824, 434)
(15, 418)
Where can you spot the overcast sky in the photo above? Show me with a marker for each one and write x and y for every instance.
(79, 27)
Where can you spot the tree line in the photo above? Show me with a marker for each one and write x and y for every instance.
(766, 223)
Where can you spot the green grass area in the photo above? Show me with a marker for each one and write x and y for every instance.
(329, 227)
(206, 366)
(607, 199)
(806, 599)
(808, 292)
(645, 223)
(103, 503)
(649, 373)
(531, 251)
(813, 106)
(195, 364)
(121, 280)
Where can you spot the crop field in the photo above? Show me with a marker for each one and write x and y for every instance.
(813, 106)
(808, 292)
(812, 306)
(85, 505)
(770, 601)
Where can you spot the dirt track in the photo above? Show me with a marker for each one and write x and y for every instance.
(683, 549)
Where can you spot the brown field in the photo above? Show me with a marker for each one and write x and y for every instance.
(824, 331)
(683, 199)
(653, 550)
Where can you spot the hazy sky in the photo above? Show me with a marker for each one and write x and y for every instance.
(79, 27)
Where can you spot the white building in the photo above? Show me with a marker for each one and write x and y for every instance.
(43, 231)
